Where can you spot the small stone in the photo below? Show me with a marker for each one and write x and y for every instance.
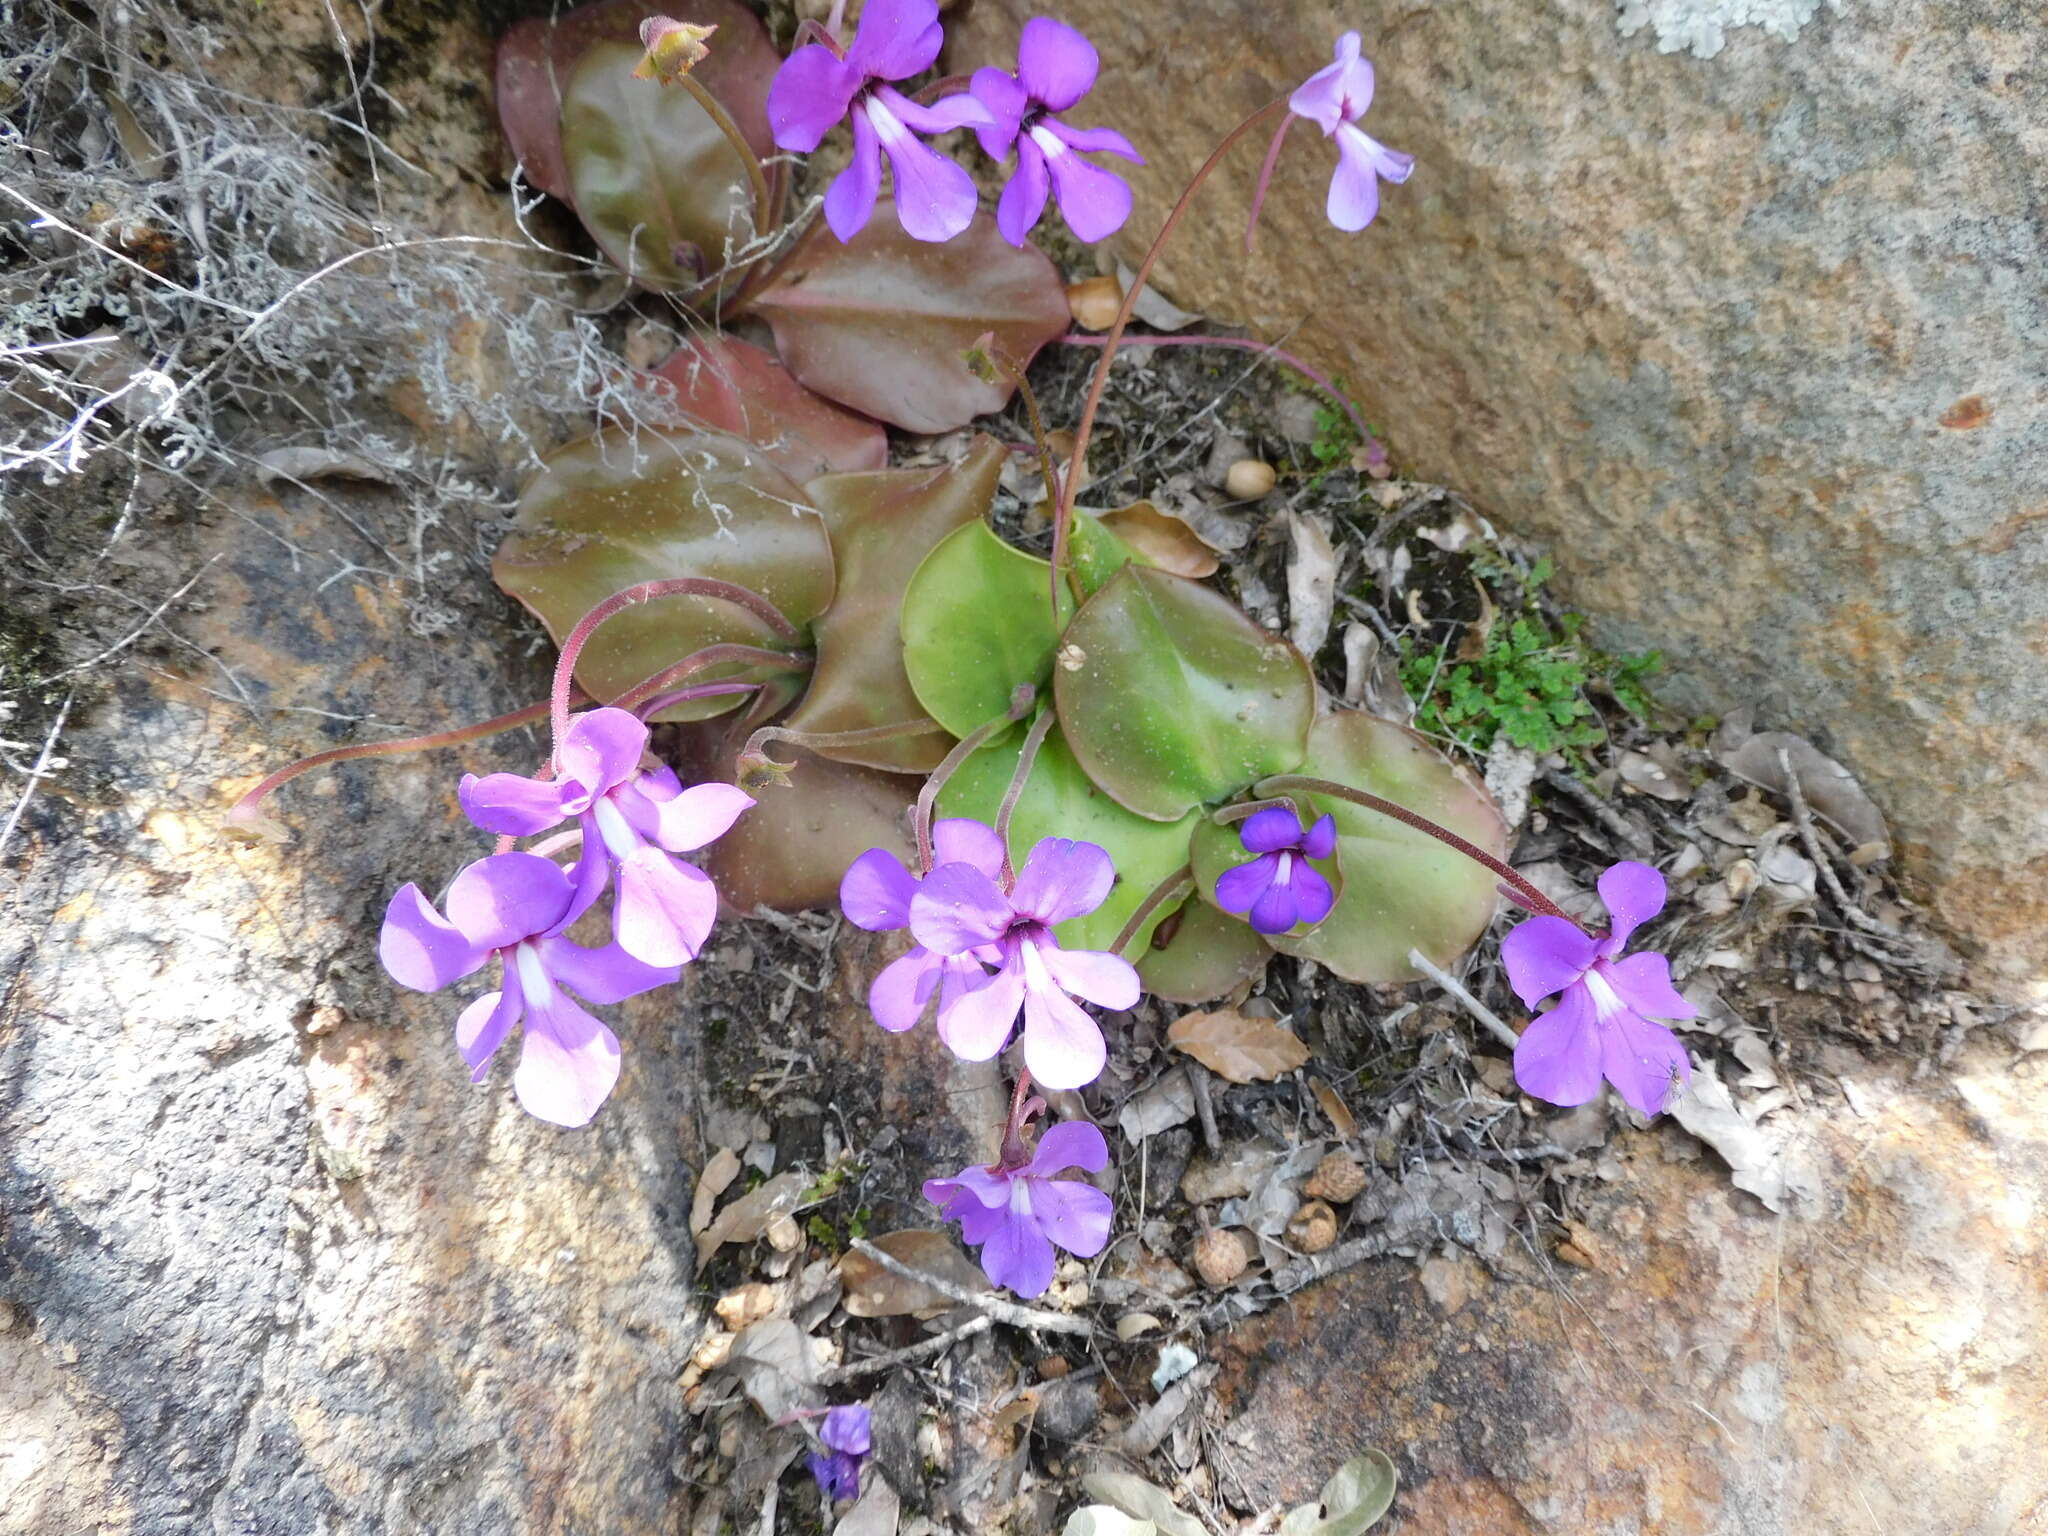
(1219, 1257)
(1094, 301)
(784, 1235)
(714, 1351)
(1249, 479)
(1338, 1177)
(1053, 1367)
(1132, 1324)
(750, 1303)
(1313, 1228)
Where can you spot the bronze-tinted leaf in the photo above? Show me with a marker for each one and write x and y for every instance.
(1236, 1046)
(883, 525)
(617, 509)
(872, 1291)
(733, 386)
(536, 56)
(1174, 697)
(653, 178)
(1159, 540)
(1206, 955)
(884, 322)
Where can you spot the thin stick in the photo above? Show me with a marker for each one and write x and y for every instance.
(1002, 1311)
(853, 1370)
(1198, 1079)
(1456, 988)
(38, 773)
(1802, 818)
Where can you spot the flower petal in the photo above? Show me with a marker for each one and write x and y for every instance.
(875, 892)
(507, 897)
(568, 1063)
(850, 200)
(1238, 890)
(978, 1185)
(1321, 840)
(935, 198)
(1006, 99)
(1062, 879)
(847, 1428)
(606, 975)
(700, 815)
(1063, 1047)
(420, 948)
(963, 109)
(1070, 1144)
(1075, 1215)
(1018, 1255)
(602, 748)
(1270, 830)
(1024, 197)
(1545, 955)
(1558, 1057)
(1313, 897)
(1108, 981)
(1093, 141)
(665, 908)
(1354, 199)
(902, 989)
(481, 1027)
(1274, 911)
(516, 806)
(897, 38)
(976, 1025)
(589, 876)
(1646, 1062)
(1094, 202)
(959, 908)
(1644, 983)
(809, 95)
(1633, 893)
(963, 840)
(1337, 92)
(1056, 64)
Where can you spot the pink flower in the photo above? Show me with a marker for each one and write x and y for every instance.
(817, 86)
(961, 910)
(1334, 98)
(876, 895)
(1018, 1215)
(1600, 1025)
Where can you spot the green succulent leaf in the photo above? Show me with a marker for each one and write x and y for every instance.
(1058, 801)
(1207, 953)
(883, 323)
(1402, 889)
(1352, 1502)
(1174, 697)
(883, 526)
(976, 622)
(653, 178)
(617, 509)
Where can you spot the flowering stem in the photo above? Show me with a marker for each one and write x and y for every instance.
(698, 661)
(1265, 178)
(1173, 888)
(757, 179)
(813, 741)
(1033, 740)
(984, 351)
(247, 814)
(1373, 450)
(1534, 899)
(1022, 1107)
(1064, 514)
(647, 592)
(677, 696)
(966, 747)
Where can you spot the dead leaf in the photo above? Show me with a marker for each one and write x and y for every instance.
(1372, 676)
(1311, 583)
(1180, 497)
(297, 465)
(1829, 788)
(775, 1367)
(1167, 1103)
(1472, 644)
(1153, 307)
(872, 1291)
(1143, 1501)
(1166, 541)
(716, 1178)
(1643, 773)
(1341, 1119)
(878, 1513)
(1755, 1164)
(749, 1216)
(1242, 1049)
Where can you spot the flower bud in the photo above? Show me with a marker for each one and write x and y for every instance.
(673, 47)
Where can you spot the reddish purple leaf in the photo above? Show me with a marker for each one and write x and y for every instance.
(730, 384)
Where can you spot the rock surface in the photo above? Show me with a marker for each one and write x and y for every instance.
(1870, 1363)
(1772, 319)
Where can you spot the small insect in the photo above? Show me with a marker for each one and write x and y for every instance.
(1674, 1088)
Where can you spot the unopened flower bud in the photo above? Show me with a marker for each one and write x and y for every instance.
(673, 47)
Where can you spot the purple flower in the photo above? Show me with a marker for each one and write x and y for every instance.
(816, 87)
(1279, 888)
(514, 906)
(1600, 1025)
(876, 895)
(1055, 68)
(846, 1435)
(961, 910)
(1334, 98)
(633, 820)
(1017, 1215)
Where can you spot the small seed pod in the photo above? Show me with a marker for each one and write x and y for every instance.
(1338, 1177)
(1249, 479)
(1313, 1227)
(1094, 301)
(1219, 1257)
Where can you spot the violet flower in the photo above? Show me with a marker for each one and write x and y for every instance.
(1056, 67)
(633, 821)
(1334, 98)
(876, 894)
(1600, 1025)
(960, 909)
(514, 906)
(1279, 888)
(847, 1435)
(1018, 1215)
(817, 86)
